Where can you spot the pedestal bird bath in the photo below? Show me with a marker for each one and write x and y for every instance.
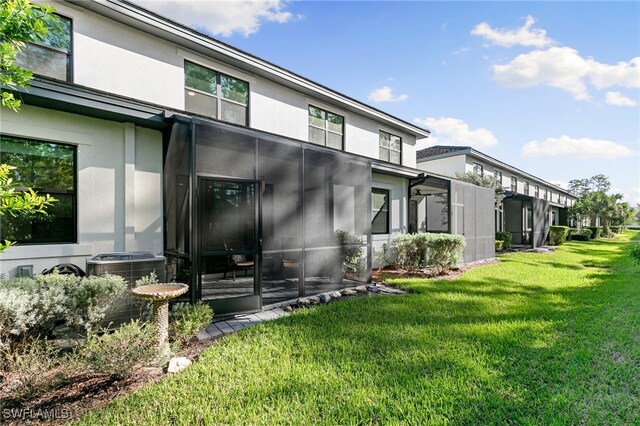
(159, 295)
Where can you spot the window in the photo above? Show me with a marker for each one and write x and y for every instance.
(50, 57)
(514, 184)
(526, 188)
(478, 169)
(326, 128)
(498, 176)
(215, 95)
(390, 147)
(380, 207)
(545, 194)
(536, 191)
(47, 168)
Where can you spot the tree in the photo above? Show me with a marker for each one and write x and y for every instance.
(20, 22)
(14, 203)
(594, 202)
(484, 181)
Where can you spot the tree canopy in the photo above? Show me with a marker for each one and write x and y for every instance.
(21, 22)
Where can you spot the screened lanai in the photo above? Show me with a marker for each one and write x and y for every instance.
(253, 219)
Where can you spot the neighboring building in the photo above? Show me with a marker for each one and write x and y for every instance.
(530, 205)
(158, 138)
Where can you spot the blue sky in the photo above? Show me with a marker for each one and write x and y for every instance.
(549, 87)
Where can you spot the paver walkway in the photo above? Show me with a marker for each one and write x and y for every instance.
(238, 322)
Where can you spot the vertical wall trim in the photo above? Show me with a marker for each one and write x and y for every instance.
(129, 186)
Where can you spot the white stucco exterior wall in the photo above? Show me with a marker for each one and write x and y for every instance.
(398, 216)
(119, 186)
(447, 166)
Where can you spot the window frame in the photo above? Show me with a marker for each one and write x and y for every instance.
(69, 53)
(387, 194)
(536, 191)
(43, 191)
(514, 184)
(380, 132)
(477, 166)
(218, 96)
(525, 187)
(497, 173)
(545, 194)
(326, 129)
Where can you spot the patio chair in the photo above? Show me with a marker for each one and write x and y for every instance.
(237, 262)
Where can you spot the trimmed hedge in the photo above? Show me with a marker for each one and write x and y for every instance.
(505, 237)
(572, 232)
(580, 237)
(617, 229)
(418, 251)
(596, 231)
(499, 245)
(587, 232)
(558, 235)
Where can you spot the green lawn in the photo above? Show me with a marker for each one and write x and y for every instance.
(536, 339)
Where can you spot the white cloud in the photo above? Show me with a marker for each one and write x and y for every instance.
(453, 131)
(560, 67)
(523, 36)
(564, 68)
(625, 74)
(461, 51)
(562, 184)
(222, 17)
(385, 94)
(618, 99)
(568, 147)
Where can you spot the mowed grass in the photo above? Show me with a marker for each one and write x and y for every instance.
(538, 339)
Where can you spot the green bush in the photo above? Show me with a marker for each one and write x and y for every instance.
(558, 235)
(185, 321)
(499, 244)
(30, 307)
(580, 237)
(635, 253)
(587, 232)
(120, 353)
(505, 237)
(353, 260)
(417, 251)
(572, 232)
(596, 231)
(616, 229)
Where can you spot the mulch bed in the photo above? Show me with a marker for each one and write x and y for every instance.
(380, 275)
(81, 393)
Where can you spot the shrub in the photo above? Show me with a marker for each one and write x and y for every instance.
(499, 244)
(185, 321)
(505, 237)
(558, 235)
(587, 232)
(30, 307)
(352, 258)
(580, 237)
(572, 232)
(118, 354)
(596, 232)
(415, 251)
(635, 253)
(35, 366)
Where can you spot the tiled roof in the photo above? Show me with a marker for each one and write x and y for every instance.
(439, 150)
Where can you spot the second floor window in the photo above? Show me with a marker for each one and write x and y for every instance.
(498, 176)
(526, 188)
(326, 128)
(50, 57)
(536, 191)
(215, 95)
(390, 147)
(478, 169)
(514, 184)
(545, 194)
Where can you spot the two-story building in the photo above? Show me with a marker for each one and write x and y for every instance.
(253, 181)
(530, 205)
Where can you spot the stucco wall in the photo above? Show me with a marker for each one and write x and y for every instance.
(447, 166)
(121, 60)
(398, 215)
(119, 196)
